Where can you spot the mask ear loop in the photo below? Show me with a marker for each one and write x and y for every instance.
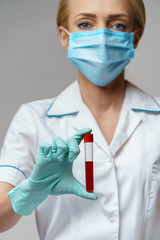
(66, 31)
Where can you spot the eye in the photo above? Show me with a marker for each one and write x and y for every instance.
(119, 27)
(84, 25)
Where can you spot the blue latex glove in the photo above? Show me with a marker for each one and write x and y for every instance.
(52, 175)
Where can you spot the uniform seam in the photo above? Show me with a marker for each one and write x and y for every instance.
(9, 166)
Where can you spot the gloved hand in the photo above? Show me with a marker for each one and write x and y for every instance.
(52, 175)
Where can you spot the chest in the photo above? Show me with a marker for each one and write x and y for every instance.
(108, 124)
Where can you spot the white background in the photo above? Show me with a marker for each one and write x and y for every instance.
(33, 66)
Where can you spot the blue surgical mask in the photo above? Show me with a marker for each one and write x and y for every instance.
(101, 55)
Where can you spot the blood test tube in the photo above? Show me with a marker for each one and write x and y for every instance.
(88, 148)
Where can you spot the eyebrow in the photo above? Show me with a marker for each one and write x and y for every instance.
(86, 15)
(111, 16)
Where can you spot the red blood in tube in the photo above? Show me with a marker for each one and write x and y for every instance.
(89, 176)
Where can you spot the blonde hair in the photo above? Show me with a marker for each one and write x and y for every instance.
(139, 13)
(138, 7)
(63, 13)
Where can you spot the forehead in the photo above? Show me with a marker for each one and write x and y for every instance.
(100, 6)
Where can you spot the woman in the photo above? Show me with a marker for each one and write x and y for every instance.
(100, 37)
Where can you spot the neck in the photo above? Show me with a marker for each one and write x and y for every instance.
(101, 99)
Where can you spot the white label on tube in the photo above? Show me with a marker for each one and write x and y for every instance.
(88, 151)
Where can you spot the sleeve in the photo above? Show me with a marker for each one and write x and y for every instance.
(18, 153)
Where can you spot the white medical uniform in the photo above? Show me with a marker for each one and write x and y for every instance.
(127, 173)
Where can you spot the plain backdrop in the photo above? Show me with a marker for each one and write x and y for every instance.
(33, 66)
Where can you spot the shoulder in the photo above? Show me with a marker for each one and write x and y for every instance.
(64, 103)
(140, 101)
(38, 107)
(29, 112)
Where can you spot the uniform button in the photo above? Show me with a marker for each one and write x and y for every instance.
(109, 160)
(111, 220)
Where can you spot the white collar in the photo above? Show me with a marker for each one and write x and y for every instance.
(69, 102)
